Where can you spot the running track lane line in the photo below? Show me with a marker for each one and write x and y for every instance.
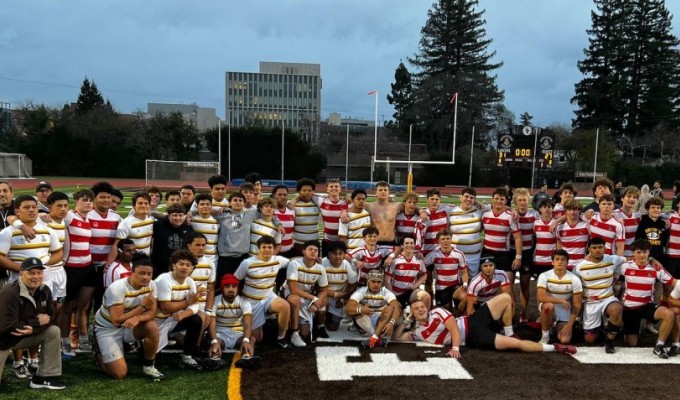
(234, 380)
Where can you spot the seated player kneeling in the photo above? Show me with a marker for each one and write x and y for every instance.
(439, 326)
(231, 325)
(128, 314)
(342, 280)
(302, 276)
(486, 285)
(375, 310)
(559, 295)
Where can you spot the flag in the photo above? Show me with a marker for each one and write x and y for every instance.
(454, 97)
(373, 92)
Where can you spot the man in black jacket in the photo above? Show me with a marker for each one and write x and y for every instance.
(26, 320)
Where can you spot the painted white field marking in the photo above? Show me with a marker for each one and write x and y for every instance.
(332, 365)
(623, 355)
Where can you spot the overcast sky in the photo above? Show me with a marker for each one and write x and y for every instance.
(178, 51)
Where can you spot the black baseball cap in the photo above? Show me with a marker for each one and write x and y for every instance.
(31, 263)
(43, 185)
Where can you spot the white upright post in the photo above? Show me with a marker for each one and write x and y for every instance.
(533, 162)
(219, 147)
(472, 149)
(455, 124)
(229, 143)
(375, 138)
(347, 157)
(282, 144)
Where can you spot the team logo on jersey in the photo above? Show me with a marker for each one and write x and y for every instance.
(95, 224)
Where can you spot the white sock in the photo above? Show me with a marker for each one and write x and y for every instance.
(676, 344)
(33, 360)
(545, 334)
(83, 339)
(18, 363)
(548, 348)
(659, 342)
(508, 330)
(66, 342)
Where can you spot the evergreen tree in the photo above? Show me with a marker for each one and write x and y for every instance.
(401, 98)
(89, 97)
(631, 68)
(453, 58)
(525, 119)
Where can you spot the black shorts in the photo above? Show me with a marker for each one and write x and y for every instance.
(527, 261)
(404, 298)
(672, 265)
(536, 270)
(389, 243)
(482, 329)
(633, 316)
(503, 259)
(77, 278)
(444, 298)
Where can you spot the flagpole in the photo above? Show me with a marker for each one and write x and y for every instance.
(472, 149)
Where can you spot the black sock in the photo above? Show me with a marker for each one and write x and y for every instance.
(148, 363)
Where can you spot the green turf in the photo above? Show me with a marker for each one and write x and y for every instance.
(84, 380)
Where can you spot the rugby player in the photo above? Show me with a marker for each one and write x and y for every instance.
(559, 297)
(375, 310)
(369, 256)
(306, 226)
(264, 226)
(450, 267)
(500, 227)
(488, 284)
(358, 220)
(342, 280)
(526, 219)
(406, 273)
(572, 235)
(465, 223)
(122, 267)
(127, 314)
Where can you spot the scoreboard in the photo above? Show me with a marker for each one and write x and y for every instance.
(517, 150)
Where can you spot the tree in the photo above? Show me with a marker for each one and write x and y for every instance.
(631, 68)
(89, 98)
(401, 98)
(525, 119)
(453, 58)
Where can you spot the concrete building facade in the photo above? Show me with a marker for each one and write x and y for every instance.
(203, 118)
(287, 94)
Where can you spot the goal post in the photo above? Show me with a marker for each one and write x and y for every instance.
(177, 173)
(15, 166)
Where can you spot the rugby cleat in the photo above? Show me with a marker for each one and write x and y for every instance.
(564, 348)
(372, 342)
(660, 351)
(673, 352)
(609, 346)
(40, 382)
(249, 362)
(153, 374)
(296, 340)
(321, 333)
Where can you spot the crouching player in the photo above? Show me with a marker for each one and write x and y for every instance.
(375, 310)
(342, 279)
(303, 275)
(231, 325)
(486, 285)
(128, 314)
(558, 292)
(439, 326)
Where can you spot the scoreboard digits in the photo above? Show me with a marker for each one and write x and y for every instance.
(518, 150)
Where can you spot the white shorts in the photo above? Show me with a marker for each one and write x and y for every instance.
(560, 314)
(228, 336)
(110, 342)
(338, 311)
(260, 309)
(593, 313)
(55, 279)
(165, 326)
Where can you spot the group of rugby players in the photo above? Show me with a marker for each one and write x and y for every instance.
(211, 269)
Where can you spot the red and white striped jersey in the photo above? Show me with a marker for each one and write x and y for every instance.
(353, 230)
(209, 227)
(409, 225)
(115, 272)
(546, 243)
(598, 278)
(558, 211)
(434, 330)
(77, 244)
(466, 227)
(287, 219)
(306, 222)
(404, 272)
(630, 225)
(574, 240)
(330, 214)
(483, 289)
(437, 221)
(370, 259)
(673, 246)
(447, 267)
(498, 230)
(103, 228)
(526, 226)
(640, 283)
(610, 230)
(138, 230)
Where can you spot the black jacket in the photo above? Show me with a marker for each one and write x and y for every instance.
(19, 308)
